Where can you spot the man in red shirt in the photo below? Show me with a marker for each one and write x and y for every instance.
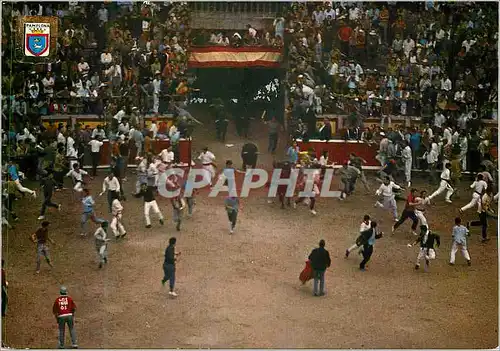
(41, 239)
(64, 311)
(408, 212)
(344, 34)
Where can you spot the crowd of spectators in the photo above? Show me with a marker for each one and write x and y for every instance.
(110, 56)
(435, 61)
(383, 59)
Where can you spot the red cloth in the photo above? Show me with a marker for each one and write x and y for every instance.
(307, 273)
(63, 305)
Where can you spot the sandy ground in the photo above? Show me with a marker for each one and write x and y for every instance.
(243, 290)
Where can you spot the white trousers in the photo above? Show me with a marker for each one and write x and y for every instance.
(117, 226)
(389, 203)
(209, 174)
(152, 205)
(421, 217)
(21, 188)
(156, 102)
(443, 186)
(454, 249)
(102, 252)
(429, 254)
(78, 187)
(475, 200)
(408, 170)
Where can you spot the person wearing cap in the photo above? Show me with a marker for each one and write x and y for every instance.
(41, 238)
(64, 310)
(101, 243)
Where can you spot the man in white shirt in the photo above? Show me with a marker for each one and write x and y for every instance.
(407, 159)
(467, 44)
(124, 127)
(99, 132)
(445, 83)
(354, 14)
(207, 159)
(408, 46)
(329, 11)
(112, 185)
(119, 115)
(95, 149)
(156, 91)
(479, 187)
(251, 31)
(388, 199)
(445, 184)
(48, 84)
(439, 119)
(83, 67)
(167, 156)
(154, 128)
(102, 14)
(365, 225)
(319, 16)
(106, 57)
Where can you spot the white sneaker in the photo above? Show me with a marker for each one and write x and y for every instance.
(414, 233)
(59, 207)
(448, 201)
(409, 184)
(294, 204)
(41, 218)
(34, 194)
(314, 212)
(172, 293)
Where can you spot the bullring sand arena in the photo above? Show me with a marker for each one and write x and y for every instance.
(243, 290)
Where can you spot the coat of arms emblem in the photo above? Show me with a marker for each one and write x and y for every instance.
(37, 39)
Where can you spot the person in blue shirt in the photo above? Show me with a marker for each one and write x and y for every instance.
(459, 235)
(415, 140)
(232, 208)
(14, 175)
(88, 211)
(293, 153)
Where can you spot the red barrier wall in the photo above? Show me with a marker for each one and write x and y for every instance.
(339, 150)
(158, 145)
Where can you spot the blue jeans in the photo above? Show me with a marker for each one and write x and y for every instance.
(190, 203)
(169, 274)
(319, 276)
(89, 215)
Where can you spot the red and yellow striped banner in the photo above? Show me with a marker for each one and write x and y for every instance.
(217, 56)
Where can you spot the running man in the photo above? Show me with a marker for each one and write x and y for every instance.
(171, 258)
(365, 225)
(101, 243)
(388, 199)
(444, 185)
(41, 238)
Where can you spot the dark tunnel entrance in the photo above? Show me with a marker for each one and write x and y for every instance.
(250, 91)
